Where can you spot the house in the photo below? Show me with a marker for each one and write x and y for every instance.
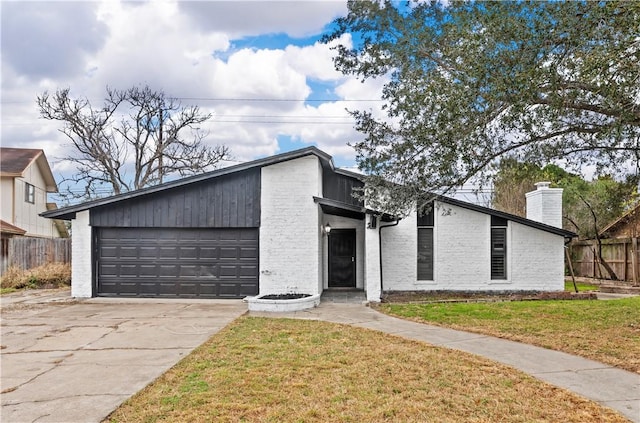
(25, 181)
(289, 224)
(627, 226)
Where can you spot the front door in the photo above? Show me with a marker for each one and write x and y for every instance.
(342, 258)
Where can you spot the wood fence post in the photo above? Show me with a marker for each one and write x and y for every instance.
(624, 262)
(634, 259)
(573, 275)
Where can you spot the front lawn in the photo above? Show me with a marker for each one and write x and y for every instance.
(284, 370)
(568, 286)
(606, 331)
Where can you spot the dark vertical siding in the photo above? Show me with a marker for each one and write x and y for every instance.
(340, 187)
(230, 201)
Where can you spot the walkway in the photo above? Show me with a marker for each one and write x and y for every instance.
(604, 384)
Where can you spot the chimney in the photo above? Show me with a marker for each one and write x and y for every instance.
(544, 205)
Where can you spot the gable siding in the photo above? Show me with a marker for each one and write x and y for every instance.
(26, 215)
(231, 201)
(340, 188)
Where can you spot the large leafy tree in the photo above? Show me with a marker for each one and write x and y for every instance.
(471, 83)
(587, 205)
(137, 138)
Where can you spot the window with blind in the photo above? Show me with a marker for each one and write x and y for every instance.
(425, 244)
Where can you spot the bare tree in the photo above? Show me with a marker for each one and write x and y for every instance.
(136, 139)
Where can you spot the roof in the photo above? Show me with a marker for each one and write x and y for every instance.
(67, 213)
(8, 228)
(508, 216)
(621, 220)
(14, 161)
(339, 208)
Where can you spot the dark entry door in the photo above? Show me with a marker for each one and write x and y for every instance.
(342, 258)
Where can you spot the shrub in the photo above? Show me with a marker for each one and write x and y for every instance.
(50, 275)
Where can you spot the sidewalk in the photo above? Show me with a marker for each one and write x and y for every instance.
(614, 388)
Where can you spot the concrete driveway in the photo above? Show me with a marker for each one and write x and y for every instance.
(76, 361)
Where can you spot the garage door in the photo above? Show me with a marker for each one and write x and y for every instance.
(172, 262)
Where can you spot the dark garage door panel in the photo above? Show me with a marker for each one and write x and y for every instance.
(176, 262)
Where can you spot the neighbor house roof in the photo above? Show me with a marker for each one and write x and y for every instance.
(60, 225)
(622, 220)
(14, 161)
(8, 228)
(326, 161)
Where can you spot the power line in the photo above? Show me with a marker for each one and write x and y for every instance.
(305, 100)
(287, 116)
(282, 122)
(235, 121)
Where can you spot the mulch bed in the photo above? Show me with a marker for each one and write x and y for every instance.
(284, 296)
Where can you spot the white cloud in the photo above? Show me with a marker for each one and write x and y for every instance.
(185, 49)
(242, 18)
(262, 74)
(49, 39)
(316, 61)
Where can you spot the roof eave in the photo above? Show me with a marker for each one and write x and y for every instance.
(47, 174)
(508, 216)
(68, 213)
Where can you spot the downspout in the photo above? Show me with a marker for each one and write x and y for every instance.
(380, 253)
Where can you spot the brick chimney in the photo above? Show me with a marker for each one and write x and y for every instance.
(544, 205)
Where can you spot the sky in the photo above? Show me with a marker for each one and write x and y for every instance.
(257, 66)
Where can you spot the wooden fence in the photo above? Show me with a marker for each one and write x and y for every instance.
(620, 253)
(27, 253)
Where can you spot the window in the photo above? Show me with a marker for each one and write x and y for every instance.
(425, 254)
(498, 253)
(425, 244)
(29, 193)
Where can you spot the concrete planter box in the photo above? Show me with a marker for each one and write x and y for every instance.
(282, 306)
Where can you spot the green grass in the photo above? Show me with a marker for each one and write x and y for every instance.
(284, 370)
(568, 286)
(7, 290)
(606, 331)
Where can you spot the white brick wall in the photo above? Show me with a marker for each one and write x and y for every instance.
(372, 263)
(81, 276)
(399, 260)
(462, 242)
(544, 205)
(462, 256)
(290, 244)
(537, 259)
